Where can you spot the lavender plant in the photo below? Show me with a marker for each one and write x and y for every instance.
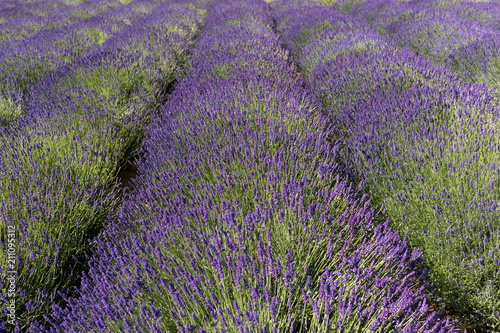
(435, 34)
(128, 75)
(332, 34)
(54, 213)
(477, 61)
(439, 181)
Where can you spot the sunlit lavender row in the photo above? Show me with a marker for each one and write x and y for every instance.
(25, 62)
(242, 218)
(59, 165)
(20, 20)
(422, 140)
(301, 167)
(463, 36)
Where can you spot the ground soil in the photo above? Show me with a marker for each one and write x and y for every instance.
(126, 175)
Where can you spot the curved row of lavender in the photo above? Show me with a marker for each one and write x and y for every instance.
(27, 61)
(462, 36)
(19, 8)
(242, 218)
(424, 142)
(58, 172)
(21, 20)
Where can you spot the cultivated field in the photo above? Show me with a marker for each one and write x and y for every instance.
(249, 166)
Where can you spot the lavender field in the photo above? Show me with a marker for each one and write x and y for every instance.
(249, 166)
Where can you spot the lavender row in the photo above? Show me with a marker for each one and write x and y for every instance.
(58, 173)
(50, 15)
(241, 218)
(32, 18)
(26, 62)
(462, 36)
(424, 143)
(18, 9)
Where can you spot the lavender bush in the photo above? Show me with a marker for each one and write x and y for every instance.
(54, 213)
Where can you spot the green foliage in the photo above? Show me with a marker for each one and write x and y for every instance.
(9, 111)
(492, 75)
(96, 35)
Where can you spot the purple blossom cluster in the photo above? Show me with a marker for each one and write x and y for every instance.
(58, 168)
(424, 143)
(242, 217)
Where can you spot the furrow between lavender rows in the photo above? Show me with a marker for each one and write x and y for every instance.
(58, 171)
(422, 141)
(242, 217)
